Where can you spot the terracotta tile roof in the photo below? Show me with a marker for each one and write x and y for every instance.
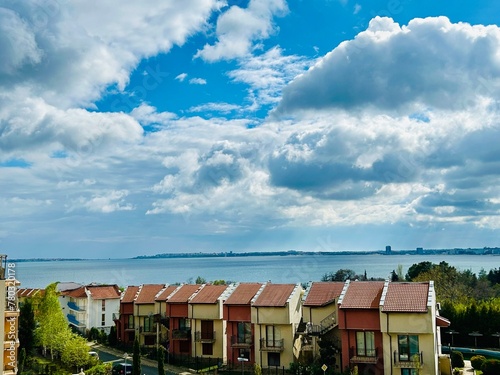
(182, 294)
(208, 294)
(147, 293)
(441, 321)
(243, 294)
(75, 293)
(29, 292)
(362, 295)
(406, 297)
(274, 295)
(130, 293)
(163, 294)
(104, 291)
(323, 293)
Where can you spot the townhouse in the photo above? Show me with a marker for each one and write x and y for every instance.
(177, 310)
(410, 324)
(237, 312)
(319, 320)
(359, 323)
(276, 312)
(144, 313)
(90, 306)
(124, 319)
(207, 323)
(375, 326)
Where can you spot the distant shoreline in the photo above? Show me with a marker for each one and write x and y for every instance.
(419, 251)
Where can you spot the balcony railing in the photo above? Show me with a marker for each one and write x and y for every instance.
(271, 345)
(364, 356)
(405, 360)
(73, 306)
(181, 334)
(328, 323)
(72, 320)
(245, 341)
(204, 336)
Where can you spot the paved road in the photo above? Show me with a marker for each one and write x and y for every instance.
(148, 366)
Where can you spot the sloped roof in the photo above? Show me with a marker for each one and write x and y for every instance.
(208, 294)
(163, 294)
(182, 294)
(243, 294)
(323, 293)
(104, 291)
(274, 295)
(147, 293)
(69, 285)
(130, 293)
(406, 297)
(29, 292)
(75, 293)
(362, 295)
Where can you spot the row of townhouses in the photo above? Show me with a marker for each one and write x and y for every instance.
(379, 327)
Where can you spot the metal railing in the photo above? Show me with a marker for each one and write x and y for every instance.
(268, 345)
(244, 341)
(408, 360)
(204, 336)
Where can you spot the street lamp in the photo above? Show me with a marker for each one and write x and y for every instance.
(476, 335)
(125, 357)
(452, 332)
(242, 359)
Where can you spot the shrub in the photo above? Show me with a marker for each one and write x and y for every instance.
(491, 367)
(477, 361)
(457, 359)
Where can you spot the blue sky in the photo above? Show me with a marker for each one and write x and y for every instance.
(141, 128)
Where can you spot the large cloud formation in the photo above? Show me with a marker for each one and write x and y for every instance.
(429, 62)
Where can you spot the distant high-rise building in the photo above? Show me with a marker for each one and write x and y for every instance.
(420, 250)
(388, 249)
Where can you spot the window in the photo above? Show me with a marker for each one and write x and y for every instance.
(103, 305)
(184, 324)
(273, 359)
(409, 371)
(244, 353)
(207, 349)
(365, 344)
(407, 346)
(244, 333)
(207, 330)
(103, 319)
(130, 323)
(271, 336)
(148, 324)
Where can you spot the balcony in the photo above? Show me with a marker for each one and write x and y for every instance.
(116, 316)
(73, 306)
(267, 345)
(405, 360)
(181, 334)
(245, 341)
(204, 337)
(364, 356)
(72, 320)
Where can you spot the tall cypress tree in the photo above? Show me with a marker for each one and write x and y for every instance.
(161, 361)
(136, 357)
(27, 325)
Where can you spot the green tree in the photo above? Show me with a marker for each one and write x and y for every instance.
(200, 280)
(112, 339)
(417, 269)
(21, 361)
(75, 353)
(52, 331)
(136, 358)
(27, 326)
(161, 360)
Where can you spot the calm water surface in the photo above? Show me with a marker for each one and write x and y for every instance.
(278, 269)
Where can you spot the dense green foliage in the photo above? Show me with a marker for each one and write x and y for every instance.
(491, 367)
(477, 361)
(457, 359)
(27, 325)
(136, 357)
(161, 360)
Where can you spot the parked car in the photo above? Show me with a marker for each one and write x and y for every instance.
(122, 369)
